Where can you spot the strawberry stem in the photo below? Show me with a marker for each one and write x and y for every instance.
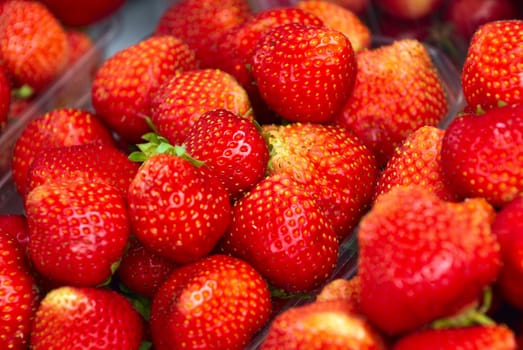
(23, 92)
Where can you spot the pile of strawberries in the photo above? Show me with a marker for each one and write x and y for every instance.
(225, 163)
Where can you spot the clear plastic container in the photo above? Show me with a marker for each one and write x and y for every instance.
(71, 89)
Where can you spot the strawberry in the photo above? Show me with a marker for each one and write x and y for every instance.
(304, 73)
(93, 161)
(493, 337)
(5, 97)
(80, 43)
(125, 83)
(508, 228)
(322, 325)
(347, 290)
(180, 101)
(15, 225)
(200, 23)
(232, 147)
(397, 90)
(342, 19)
(33, 44)
(481, 155)
(409, 9)
(417, 161)
(18, 295)
(86, 318)
(331, 164)
(90, 227)
(491, 72)
(422, 258)
(279, 229)
(178, 209)
(218, 302)
(83, 13)
(237, 46)
(58, 127)
(143, 271)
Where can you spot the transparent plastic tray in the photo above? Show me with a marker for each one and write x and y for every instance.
(71, 89)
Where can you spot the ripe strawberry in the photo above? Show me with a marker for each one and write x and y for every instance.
(180, 101)
(200, 23)
(33, 44)
(15, 225)
(409, 9)
(304, 73)
(125, 83)
(237, 46)
(481, 155)
(86, 318)
(415, 262)
(417, 161)
(177, 208)
(143, 271)
(93, 161)
(341, 19)
(347, 290)
(218, 302)
(232, 147)
(403, 75)
(79, 45)
(5, 97)
(508, 228)
(279, 229)
(493, 337)
(83, 13)
(331, 164)
(90, 227)
(322, 325)
(18, 295)
(59, 127)
(490, 73)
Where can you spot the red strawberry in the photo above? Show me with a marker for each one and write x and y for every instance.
(86, 318)
(177, 208)
(417, 161)
(80, 43)
(200, 23)
(347, 290)
(492, 68)
(322, 325)
(422, 258)
(15, 225)
(143, 271)
(494, 337)
(482, 156)
(232, 147)
(93, 161)
(59, 127)
(279, 229)
(18, 295)
(508, 228)
(304, 73)
(90, 228)
(218, 302)
(331, 164)
(409, 9)
(83, 13)
(125, 83)
(397, 91)
(180, 101)
(341, 19)
(33, 44)
(5, 97)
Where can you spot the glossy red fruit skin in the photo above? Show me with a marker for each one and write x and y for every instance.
(495, 337)
(18, 295)
(409, 9)
(15, 225)
(86, 318)
(91, 228)
(278, 228)
(124, 84)
(177, 210)
(293, 62)
(415, 265)
(232, 147)
(481, 155)
(487, 79)
(218, 302)
(5, 97)
(83, 13)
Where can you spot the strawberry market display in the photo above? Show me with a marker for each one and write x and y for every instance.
(215, 192)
